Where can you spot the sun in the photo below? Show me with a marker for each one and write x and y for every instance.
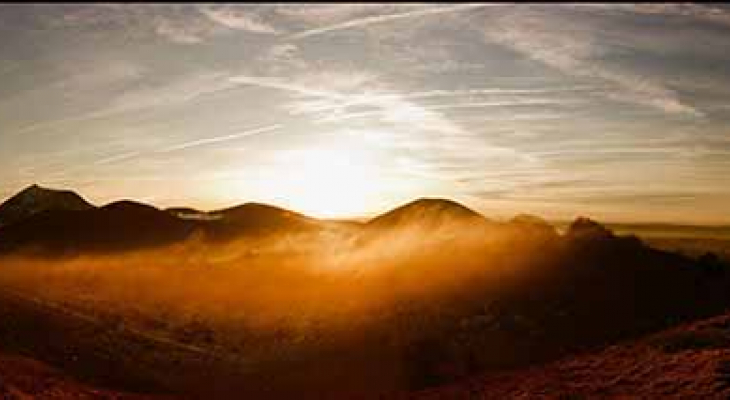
(324, 181)
(344, 174)
(330, 182)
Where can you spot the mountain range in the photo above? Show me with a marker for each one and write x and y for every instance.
(62, 221)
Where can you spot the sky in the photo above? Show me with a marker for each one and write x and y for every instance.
(620, 112)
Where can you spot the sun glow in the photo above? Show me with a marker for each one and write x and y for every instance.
(328, 183)
(327, 180)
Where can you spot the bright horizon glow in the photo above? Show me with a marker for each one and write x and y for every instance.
(321, 182)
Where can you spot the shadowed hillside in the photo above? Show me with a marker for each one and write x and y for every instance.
(689, 361)
(35, 199)
(50, 222)
(117, 226)
(426, 213)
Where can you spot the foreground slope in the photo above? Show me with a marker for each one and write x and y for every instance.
(689, 361)
(25, 378)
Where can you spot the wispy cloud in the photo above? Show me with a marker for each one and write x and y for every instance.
(283, 84)
(283, 58)
(177, 33)
(117, 158)
(337, 104)
(126, 156)
(182, 24)
(174, 92)
(218, 139)
(328, 13)
(240, 18)
(701, 12)
(576, 51)
(351, 87)
(379, 19)
(336, 97)
(388, 112)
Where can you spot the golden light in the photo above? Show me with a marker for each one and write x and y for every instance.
(327, 180)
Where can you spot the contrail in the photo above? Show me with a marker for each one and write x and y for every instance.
(377, 99)
(186, 145)
(277, 83)
(709, 14)
(348, 100)
(480, 104)
(119, 157)
(218, 139)
(360, 22)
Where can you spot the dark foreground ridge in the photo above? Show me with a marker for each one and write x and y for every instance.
(691, 361)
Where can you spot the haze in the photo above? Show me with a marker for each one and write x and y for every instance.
(615, 111)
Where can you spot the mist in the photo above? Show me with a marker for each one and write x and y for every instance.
(399, 303)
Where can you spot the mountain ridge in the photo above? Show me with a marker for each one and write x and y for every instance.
(59, 218)
(35, 198)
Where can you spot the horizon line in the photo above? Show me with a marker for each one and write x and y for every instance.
(555, 221)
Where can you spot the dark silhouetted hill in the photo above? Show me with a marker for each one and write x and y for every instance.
(35, 199)
(61, 221)
(426, 213)
(258, 219)
(531, 226)
(122, 225)
(586, 229)
(188, 213)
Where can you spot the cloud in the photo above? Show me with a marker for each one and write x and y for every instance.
(404, 113)
(282, 57)
(282, 84)
(337, 96)
(218, 139)
(326, 90)
(378, 19)
(175, 23)
(239, 18)
(331, 85)
(179, 90)
(175, 92)
(117, 158)
(326, 13)
(181, 24)
(177, 33)
(309, 106)
(700, 12)
(577, 50)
